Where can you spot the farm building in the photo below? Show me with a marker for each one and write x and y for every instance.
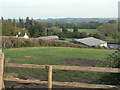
(91, 41)
(49, 37)
(23, 36)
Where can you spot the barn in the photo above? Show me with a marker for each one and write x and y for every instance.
(49, 37)
(91, 41)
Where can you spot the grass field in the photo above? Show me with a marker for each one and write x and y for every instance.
(88, 31)
(52, 55)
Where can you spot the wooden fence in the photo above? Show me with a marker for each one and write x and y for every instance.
(1, 69)
(58, 67)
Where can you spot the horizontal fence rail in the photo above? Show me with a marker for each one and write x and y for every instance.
(71, 84)
(59, 67)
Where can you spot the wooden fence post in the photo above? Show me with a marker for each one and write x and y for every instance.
(3, 86)
(1, 70)
(50, 78)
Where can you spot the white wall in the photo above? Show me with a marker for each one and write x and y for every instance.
(104, 44)
(25, 36)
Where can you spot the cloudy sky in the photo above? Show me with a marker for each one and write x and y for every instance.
(59, 8)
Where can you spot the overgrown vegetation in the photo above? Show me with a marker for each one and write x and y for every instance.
(14, 42)
(113, 61)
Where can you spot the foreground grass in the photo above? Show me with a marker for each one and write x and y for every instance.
(58, 75)
(51, 55)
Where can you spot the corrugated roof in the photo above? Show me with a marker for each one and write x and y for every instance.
(49, 37)
(90, 41)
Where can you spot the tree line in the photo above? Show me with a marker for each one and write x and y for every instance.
(29, 26)
(11, 27)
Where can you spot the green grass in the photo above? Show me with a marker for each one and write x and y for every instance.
(51, 55)
(58, 75)
(88, 31)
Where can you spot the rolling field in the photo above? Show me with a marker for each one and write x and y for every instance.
(53, 55)
(88, 31)
(50, 55)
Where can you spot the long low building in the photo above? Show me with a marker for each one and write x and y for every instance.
(49, 37)
(91, 41)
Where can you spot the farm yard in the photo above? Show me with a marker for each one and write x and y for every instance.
(56, 56)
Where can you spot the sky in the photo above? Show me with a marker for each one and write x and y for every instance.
(59, 8)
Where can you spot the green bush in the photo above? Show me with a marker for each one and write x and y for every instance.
(17, 43)
(27, 43)
(113, 61)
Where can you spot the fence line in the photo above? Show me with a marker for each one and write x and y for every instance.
(56, 67)
(71, 84)
(59, 67)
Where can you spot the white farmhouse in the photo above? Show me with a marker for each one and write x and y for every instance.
(23, 36)
(91, 41)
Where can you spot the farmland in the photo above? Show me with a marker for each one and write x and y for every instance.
(54, 56)
(88, 31)
(50, 55)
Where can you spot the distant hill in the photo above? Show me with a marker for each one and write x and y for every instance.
(74, 20)
(78, 20)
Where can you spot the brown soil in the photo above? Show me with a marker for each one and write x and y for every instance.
(82, 62)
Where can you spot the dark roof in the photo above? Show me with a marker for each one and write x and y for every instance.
(20, 35)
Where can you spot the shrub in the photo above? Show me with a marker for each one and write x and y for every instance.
(95, 35)
(27, 43)
(83, 35)
(113, 62)
(17, 43)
